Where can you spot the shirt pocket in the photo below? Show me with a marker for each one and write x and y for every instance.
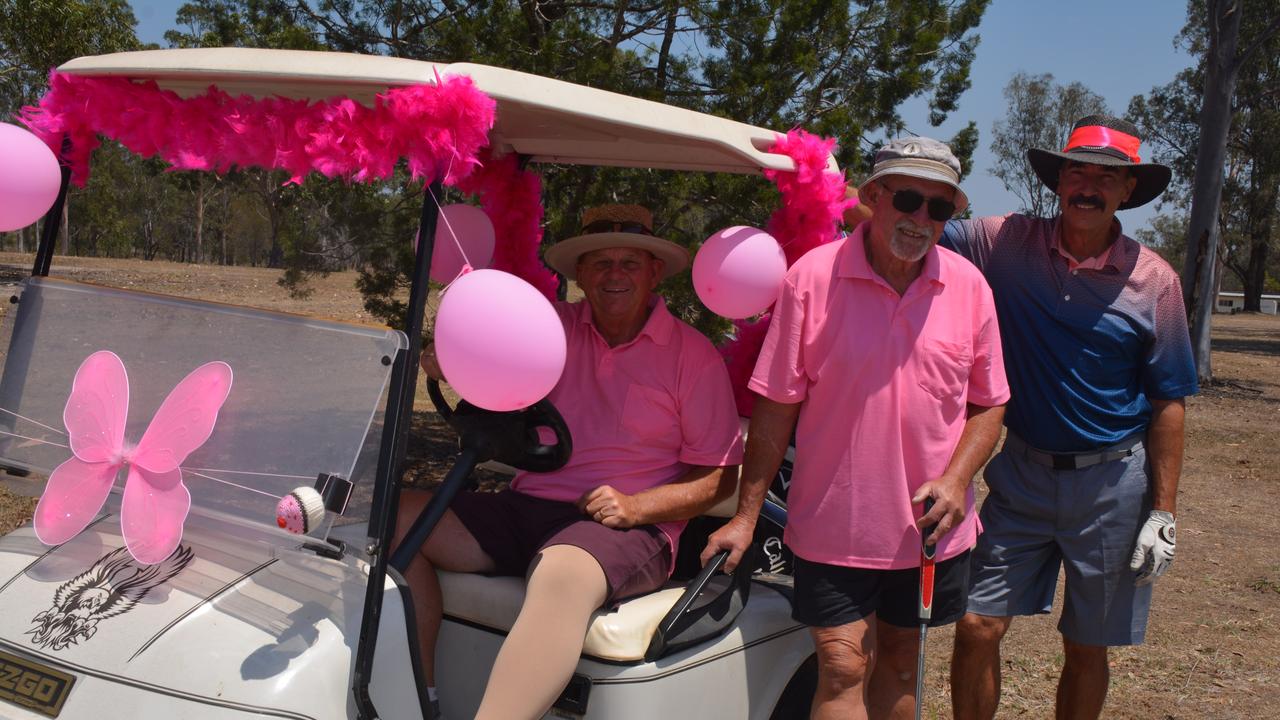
(649, 416)
(943, 369)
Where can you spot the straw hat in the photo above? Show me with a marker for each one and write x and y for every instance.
(615, 226)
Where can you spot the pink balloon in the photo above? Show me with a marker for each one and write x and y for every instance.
(738, 272)
(29, 177)
(499, 342)
(474, 231)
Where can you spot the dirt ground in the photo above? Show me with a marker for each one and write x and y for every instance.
(1213, 647)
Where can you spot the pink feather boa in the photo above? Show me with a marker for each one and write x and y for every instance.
(512, 198)
(437, 128)
(813, 199)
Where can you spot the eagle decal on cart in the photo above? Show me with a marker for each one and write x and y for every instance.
(112, 586)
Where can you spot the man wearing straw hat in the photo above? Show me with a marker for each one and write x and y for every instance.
(1099, 361)
(655, 442)
(883, 355)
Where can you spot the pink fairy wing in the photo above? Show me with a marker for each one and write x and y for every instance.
(74, 494)
(185, 419)
(98, 408)
(154, 508)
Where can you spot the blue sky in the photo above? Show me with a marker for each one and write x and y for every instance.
(1117, 48)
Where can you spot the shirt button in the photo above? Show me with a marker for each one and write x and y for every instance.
(1075, 272)
(1067, 298)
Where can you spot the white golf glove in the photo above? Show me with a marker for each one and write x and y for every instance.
(1154, 552)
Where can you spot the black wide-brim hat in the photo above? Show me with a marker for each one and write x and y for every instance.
(1104, 140)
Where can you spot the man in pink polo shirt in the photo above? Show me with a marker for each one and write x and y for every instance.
(655, 442)
(883, 355)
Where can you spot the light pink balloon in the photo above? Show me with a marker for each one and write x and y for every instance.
(474, 231)
(29, 177)
(499, 342)
(738, 272)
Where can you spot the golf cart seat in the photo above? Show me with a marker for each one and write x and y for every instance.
(642, 628)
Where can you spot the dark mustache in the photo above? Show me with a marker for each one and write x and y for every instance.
(1081, 197)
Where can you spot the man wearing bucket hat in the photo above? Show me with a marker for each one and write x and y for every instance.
(883, 355)
(655, 442)
(1099, 362)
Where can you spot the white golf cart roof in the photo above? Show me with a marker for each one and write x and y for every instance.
(547, 120)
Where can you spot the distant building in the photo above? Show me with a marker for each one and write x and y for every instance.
(1233, 302)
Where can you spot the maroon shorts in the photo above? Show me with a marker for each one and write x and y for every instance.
(512, 528)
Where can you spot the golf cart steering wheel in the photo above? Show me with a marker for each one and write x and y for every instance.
(508, 437)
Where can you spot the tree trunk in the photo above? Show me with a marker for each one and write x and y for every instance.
(1255, 277)
(1199, 273)
(200, 221)
(66, 227)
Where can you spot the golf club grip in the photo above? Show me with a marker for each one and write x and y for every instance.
(926, 569)
(927, 551)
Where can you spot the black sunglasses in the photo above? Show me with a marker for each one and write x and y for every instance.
(604, 226)
(908, 201)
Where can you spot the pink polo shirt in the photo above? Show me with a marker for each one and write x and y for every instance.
(641, 413)
(884, 381)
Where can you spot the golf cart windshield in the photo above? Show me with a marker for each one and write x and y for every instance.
(306, 396)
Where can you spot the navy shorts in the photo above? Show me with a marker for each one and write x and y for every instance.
(512, 528)
(834, 595)
(1037, 520)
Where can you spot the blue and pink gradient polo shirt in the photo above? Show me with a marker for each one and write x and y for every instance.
(885, 383)
(1086, 348)
(640, 414)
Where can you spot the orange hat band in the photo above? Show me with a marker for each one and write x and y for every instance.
(1097, 136)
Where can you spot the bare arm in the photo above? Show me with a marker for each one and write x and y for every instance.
(697, 491)
(767, 440)
(1165, 437)
(977, 440)
(429, 364)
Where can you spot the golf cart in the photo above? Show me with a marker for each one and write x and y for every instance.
(236, 616)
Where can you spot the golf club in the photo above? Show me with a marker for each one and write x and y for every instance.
(926, 602)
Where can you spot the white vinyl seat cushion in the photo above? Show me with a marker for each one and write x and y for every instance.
(620, 635)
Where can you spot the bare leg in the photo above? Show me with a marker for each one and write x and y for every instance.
(566, 585)
(845, 661)
(1082, 689)
(891, 692)
(975, 666)
(450, 547)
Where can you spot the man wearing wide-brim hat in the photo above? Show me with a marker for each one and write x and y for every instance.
(655, 442)
(1099, 361)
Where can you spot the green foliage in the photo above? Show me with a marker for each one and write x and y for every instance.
(1169, 115)
(1040, 115)
(835, 68)
(38, 35)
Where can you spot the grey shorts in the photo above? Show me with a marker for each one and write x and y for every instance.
(1036, 520)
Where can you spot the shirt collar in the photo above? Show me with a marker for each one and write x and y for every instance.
(1107, 258)
(852, 261)
(659, 327)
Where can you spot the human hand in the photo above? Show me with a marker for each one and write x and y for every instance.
(1153, 553)
(735, 536)
(609, 507)
(949, 506)
(429, 364)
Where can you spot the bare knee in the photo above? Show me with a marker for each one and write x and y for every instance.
(412, 503)
(980, 632)
(843, 661)
(896, 650)
(1084, 656)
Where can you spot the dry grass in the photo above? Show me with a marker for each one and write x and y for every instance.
(1212, 646)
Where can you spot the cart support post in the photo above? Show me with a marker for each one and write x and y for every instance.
(395, 432)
